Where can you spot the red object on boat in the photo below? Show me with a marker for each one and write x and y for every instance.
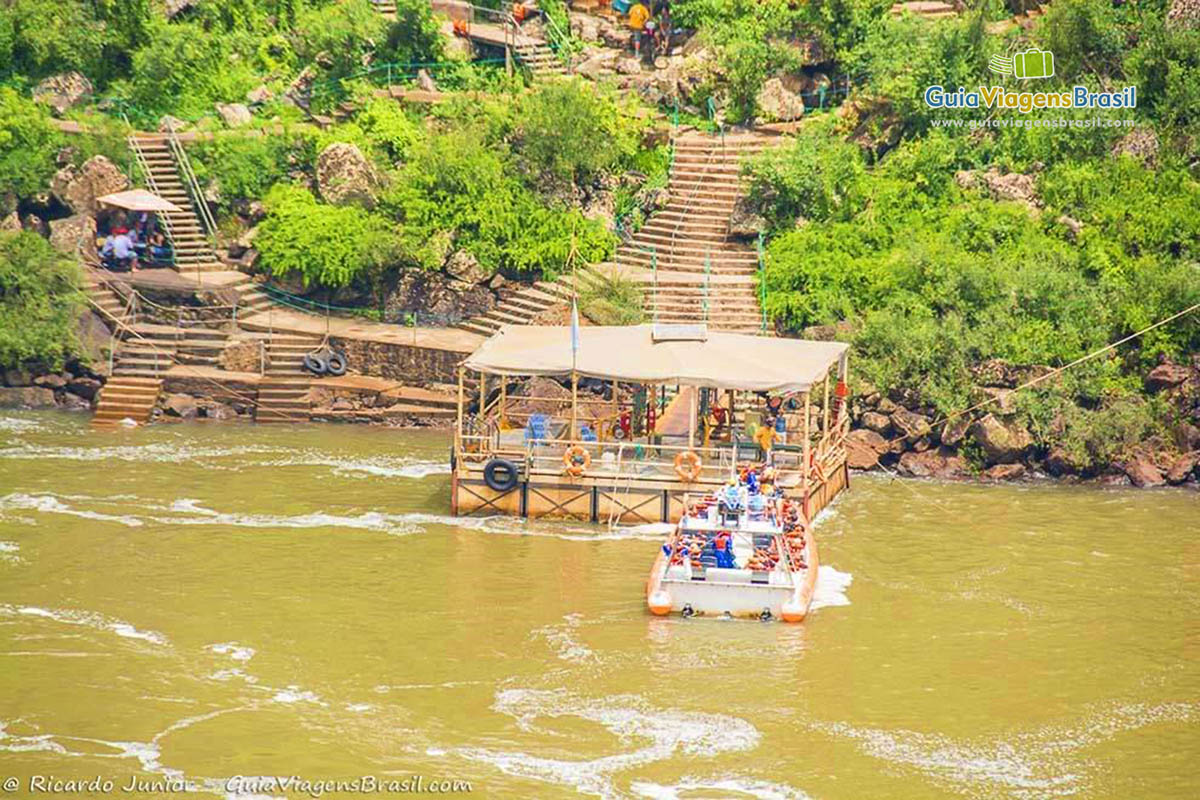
(460, 27)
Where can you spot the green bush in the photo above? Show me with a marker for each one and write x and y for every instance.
(613, 300)
(245, 168)
(40, 301)
(572, 131)
(457, 192)
(331, 246)
(343, 33)
(28, 142)
(184, 69)
(48, 38)
(414, 36)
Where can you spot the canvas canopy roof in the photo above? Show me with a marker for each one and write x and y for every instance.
(138, 200)
(629, 353)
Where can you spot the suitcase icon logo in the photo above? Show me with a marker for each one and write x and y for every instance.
(1030, 64)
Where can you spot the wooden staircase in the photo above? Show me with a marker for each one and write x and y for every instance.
(385, 7)
(283, 391)
(126, 397)
(163, 162)
(703, 274)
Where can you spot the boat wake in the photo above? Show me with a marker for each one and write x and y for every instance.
(52, 504)
(87, 619)
(377, 467)
(561, 639)
(647, 735)
(717, 787)
(1038, 764)
(832, 586)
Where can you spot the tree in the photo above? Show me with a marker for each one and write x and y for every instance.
(40, 301)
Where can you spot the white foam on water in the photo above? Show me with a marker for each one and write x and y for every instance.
(562, 639)
(647, 735)
(831, 588)
(294, 694)
(376, 467)
(9, 547)
(19, 424)
(232, 673)
(647, 529)
(188, 511)
(87, 619)
(725, 787)
(232, 649)
(1033, 765)
(359, 708)
(516, 526)
(52, 504)
(153, 453)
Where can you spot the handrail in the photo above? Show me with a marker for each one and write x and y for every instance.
(762, 281)
(185, 169)
(132, 141)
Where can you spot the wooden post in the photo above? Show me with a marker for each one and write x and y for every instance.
(503, 400)
(461, 397)
(805, 455)
(825, 410)
(482, 397)
(616, 410)
(573, 433)
(692, 420)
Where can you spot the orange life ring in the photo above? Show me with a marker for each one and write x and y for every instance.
(691, 472)
(576, 459)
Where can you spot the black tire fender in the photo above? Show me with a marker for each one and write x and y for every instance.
(507, 478)
(316, 363)
(336, 363)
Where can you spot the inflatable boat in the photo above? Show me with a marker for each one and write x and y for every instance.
(739, 552)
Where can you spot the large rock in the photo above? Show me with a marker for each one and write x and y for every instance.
(776, 103)
(1014, 186)
(1060, 461)
(180, 405)
(234, 115)
(11, 223)
(84, 387)
(1166, 376)
(1183, 467)
(465, 267)
(344, 175)
(1183, 14)
(260, 95)
(63, 92)
(436, 296)
(1004, 472)
(1143, 472)
(27, 397)
(1002, 443)
(78, 188)
(910, 423)
(955, 429)
(75, 236)
(744, 220)
(863, 448)
(880, 423)
(932, 463)
(1140, 144)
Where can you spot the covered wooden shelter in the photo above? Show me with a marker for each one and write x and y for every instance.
(629, 431)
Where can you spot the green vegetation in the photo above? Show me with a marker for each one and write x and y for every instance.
(27, 145)
(40, 301)
(325, 245)
(938, 274)
(613, 301)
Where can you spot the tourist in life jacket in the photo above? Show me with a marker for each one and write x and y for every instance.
(723, 547)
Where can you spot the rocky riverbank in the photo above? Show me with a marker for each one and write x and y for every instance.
(892, 433)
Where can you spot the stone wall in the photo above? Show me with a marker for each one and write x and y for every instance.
(407, 363)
